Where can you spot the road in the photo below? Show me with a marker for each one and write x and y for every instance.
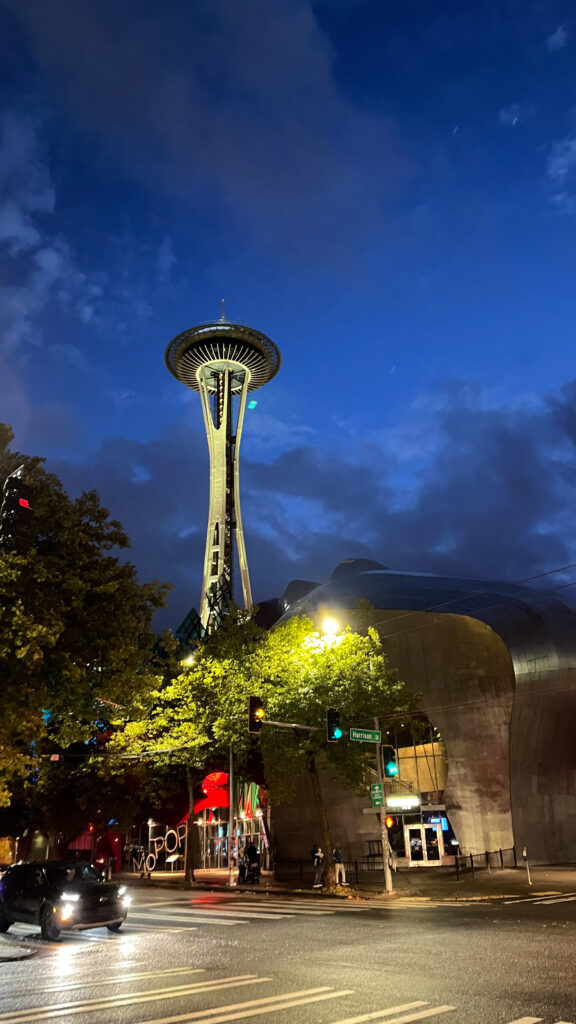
(216, 957)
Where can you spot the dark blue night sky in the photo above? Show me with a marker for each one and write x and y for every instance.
(387, 189)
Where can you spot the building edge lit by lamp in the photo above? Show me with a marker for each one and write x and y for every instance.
(495, 663)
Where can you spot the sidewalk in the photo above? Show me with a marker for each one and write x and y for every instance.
(430, 883)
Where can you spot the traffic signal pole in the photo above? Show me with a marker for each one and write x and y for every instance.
(388, 884)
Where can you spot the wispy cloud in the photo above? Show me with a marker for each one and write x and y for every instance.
(561, 171)
(558, 39)
(37, 263)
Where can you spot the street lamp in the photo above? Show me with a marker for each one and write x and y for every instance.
(330, 627)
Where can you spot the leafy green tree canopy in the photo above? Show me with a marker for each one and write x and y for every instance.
(75, 623)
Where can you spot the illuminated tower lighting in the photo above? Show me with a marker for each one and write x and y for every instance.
(224, 362)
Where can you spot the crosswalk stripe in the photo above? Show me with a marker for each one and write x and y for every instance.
(405, 1018)
(255, 1007)
(123, 979)
(526, 1020)
(381, 1013)
(562, 899)
(127, 999)
(203, 912)
(538, 899)
(223, 922)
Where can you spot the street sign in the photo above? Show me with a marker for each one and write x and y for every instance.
(377, 794)
(365, 735)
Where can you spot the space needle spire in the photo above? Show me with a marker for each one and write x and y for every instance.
(223, 362)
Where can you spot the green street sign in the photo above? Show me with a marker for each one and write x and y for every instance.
(366, 735)
(376, 792)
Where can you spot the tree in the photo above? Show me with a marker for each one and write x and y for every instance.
(196, 718)
(75, 624)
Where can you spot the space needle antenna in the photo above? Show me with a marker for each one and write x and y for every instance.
(223, 362)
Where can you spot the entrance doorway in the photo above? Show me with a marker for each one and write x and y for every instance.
(423, 844)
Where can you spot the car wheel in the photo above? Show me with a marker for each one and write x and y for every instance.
(47, 927)
(115, 927)
(4, 922)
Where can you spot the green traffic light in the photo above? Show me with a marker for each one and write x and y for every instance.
(337, 734)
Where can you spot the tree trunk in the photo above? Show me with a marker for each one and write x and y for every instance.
(189, 876)
(329, 869)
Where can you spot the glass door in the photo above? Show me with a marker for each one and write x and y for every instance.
(423, 844)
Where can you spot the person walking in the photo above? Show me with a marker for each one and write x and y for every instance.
(253, 858)
(339, 865)
(319, 868)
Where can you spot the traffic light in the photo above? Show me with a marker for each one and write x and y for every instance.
(390, 822)
(256, 714)
(333, 730)
(390, 765)
(17, 513)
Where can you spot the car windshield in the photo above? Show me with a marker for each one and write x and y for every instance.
(73, 873)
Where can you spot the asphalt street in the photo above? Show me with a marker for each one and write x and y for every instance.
(224, 956)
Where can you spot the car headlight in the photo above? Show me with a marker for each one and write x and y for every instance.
(70, 897)
(121, 890)
(67, 911)
(126, 900)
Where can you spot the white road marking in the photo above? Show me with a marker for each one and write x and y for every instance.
(196, 919)
(66, 986)
(538, 899)
(255, 1007)
(381, 1013)
(405, 1018)
(127, 999)
(192, 913)
(526, 1020)
(562, 899)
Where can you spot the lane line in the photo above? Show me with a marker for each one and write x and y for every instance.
(255, 1007)
(128, 999)
(382, 1013)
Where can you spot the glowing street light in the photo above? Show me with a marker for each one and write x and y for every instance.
(330, 627)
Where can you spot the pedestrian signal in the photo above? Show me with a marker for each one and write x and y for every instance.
(333, 730)
(256, 714)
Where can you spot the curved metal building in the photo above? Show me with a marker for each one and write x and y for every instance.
(496, 666)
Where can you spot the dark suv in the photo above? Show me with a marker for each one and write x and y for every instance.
(60, 895)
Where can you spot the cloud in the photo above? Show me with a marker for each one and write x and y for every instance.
(37, 265)
(493, 498)
(561, 172)
(203, 101)
(558, 39)
(510, 115)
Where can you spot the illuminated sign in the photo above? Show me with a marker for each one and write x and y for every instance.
(402, 802)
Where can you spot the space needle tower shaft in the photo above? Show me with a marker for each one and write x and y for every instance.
(223, 362)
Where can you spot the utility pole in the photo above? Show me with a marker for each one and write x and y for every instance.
(231, 836)
(383, 830)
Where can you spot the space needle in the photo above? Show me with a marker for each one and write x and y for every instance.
(224, 362)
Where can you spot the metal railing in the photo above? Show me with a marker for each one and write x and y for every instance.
(370, 870)
(486, 861)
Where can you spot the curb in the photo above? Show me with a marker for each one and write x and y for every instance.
(12, 953)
